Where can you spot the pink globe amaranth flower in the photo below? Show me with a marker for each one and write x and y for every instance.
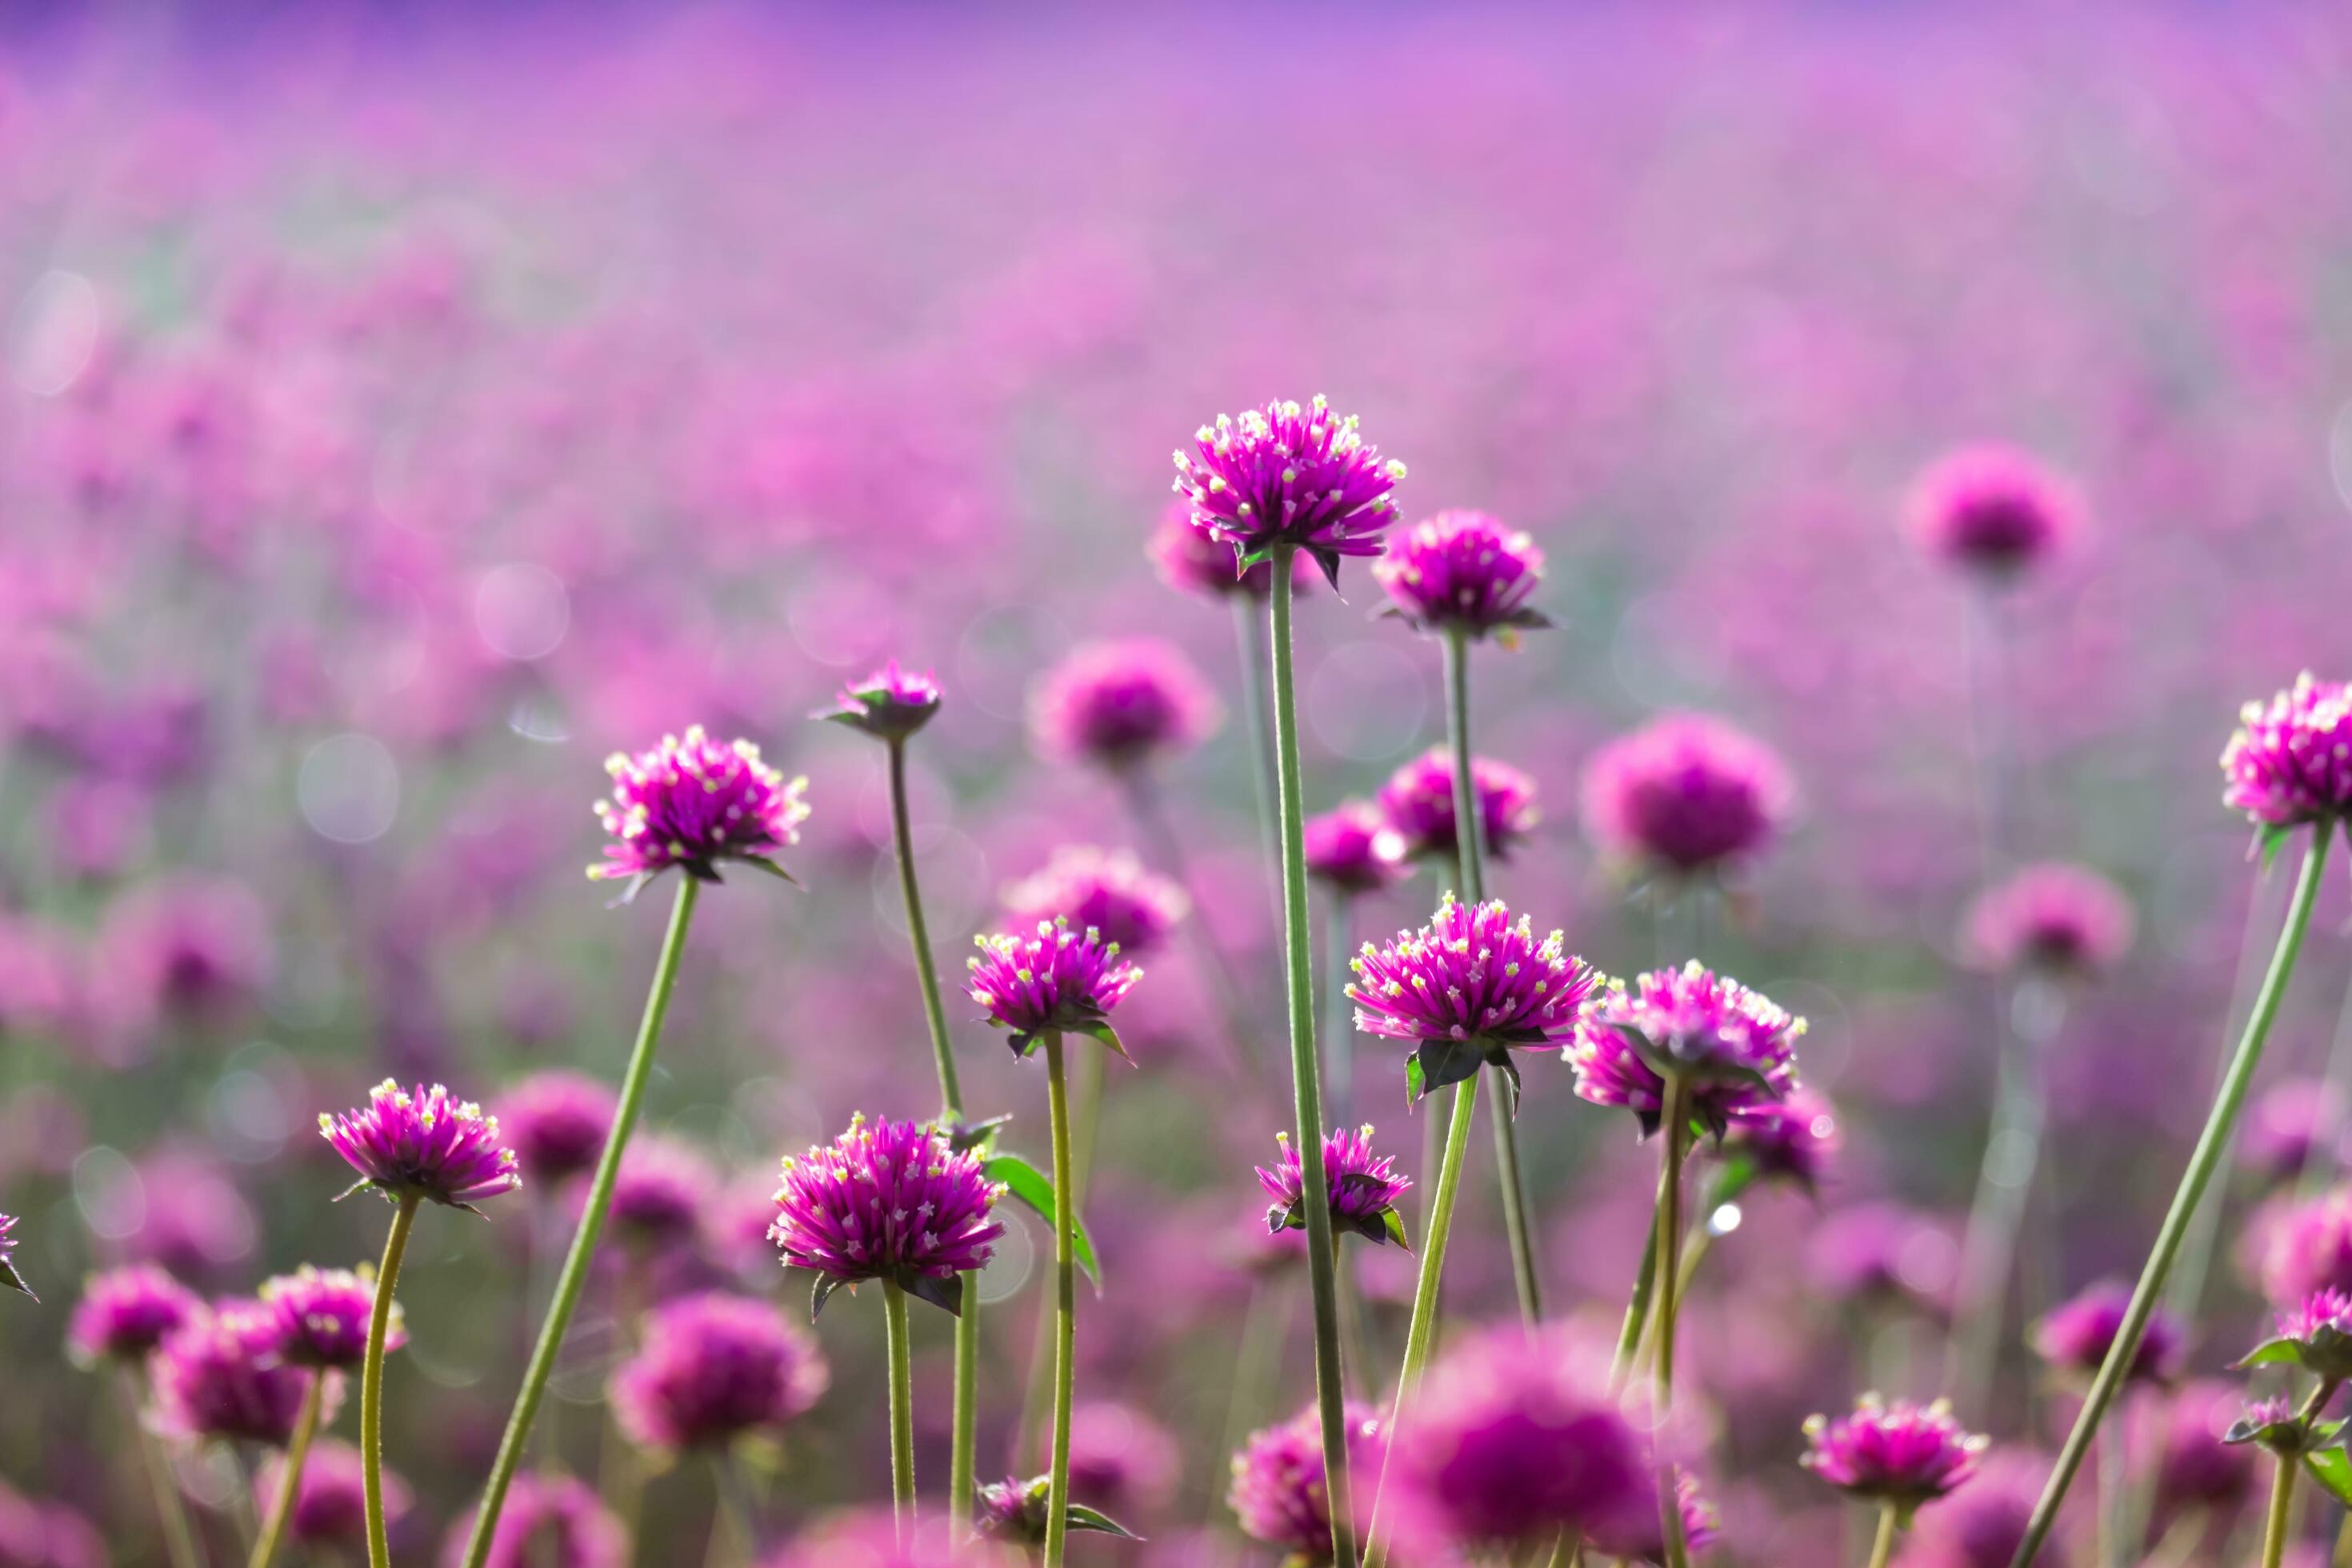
(2315, 1335)
(1277, 1493)
(1418, 802)
(330, 1500)
(323, 1316)
(1287, 474)
(889, 704)
(1982, 1525)
(1993, 510)
(2288, 1127)
(125, 1313)
(1106, 891)
(2075, 1336)
(9, 1278)
(1120, 703)
(2272, 1424)
(424, 1143)
(2291, 760)
(1015, 1511)
(1471, 986)
(1351, 849)
(1121, 1458)
(1461, 571)
(1884, 1252)
(660, 1194)
(1638, 1534)
(549, 1521)
(556, 1122)
(224, 1373)
(1902, 1453)
(887, 1200)
(2062, 918)
(1059, 979)
(693, 803)
(1193, 560)
(194, 948)
(46, 1535)
(1736, 1047)
(711, 1368)
(1686, 794)
(1362, 1188)
(1795, 1140)
(2308, 1248)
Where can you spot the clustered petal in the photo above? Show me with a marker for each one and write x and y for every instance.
(1735, 1046)
(224, 1373)
(550, 1520)
(886, 1200)
(660, 1194)
(1107, 892)
(424, 1143)
(330, 1500)
(1362, 1188)
(1684, 795)
(2290, 759)
(713, 1367)
(1461, 570)
(1793, 1139)
(2075, 1336)
(1119, 703)
(323, 1316)
(1193, 560)
(1418, 802)
(1992, 508)
(556, 1122)
(1288, 474)
(1352, 849)
(2064, 919)
(1058, 979)
(889, 704)
(125, 1313)
(1277, 1493)
(693, 803)
(1901, 1453)
(2308, 1247)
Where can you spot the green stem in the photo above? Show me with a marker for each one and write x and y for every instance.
(1065, 1303)
(1675, 1123)
(2211, 1143)
(1250, 628)
(1637, 1310)
(2274, 1529)
(1306, 1075)
(1338, 1065)
(387, 1274)
(170, 1508)
(289, 1477)
(902, 1408)
(732, 1539)
(1085, 1089)
(575, 1277)
(1882, 1550)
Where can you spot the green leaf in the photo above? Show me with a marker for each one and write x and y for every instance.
(822, 1291)
(2271, 1353)
(1413, 1081)
(14, 1281)
(1394, 1223)
(1080, 1517)
(2331, 1469)
(762, 863)
(1034, 1187)
(2272, 840)
(1109, 1037)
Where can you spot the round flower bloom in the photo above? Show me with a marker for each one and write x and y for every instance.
(1883, 1251)
(2075, 1336)
(1121, 1458)
(692, 804)
(1363, 1189)
(889, 704)
(888, 1200)
(1792, 1141)
(224, 1375)
(1352, 849)
(424, 1144)
(2194, 1466)
(2308, 1248)
(1058, 979)
(2275, 1424)
(660, 1194)
(1013, 1509)
(1469, 987)
(46, 1535)
(1637, 1535)
(1461, 570)
(2064, 919)
(188, 947)
(1107, 892)
(1983, 1525)
(8, 1274)
(1683, 794)
(2290, 759)
(556, 1123)
(1287, 474)
(125, 1313)
(329, 1498)
(1991, 508)
(711, 1368)
(1120, 703)
(1418, 802)
(2290, 1126)
(549, 1521)
(1902, 1453)
(323, 1316)
(2316, 1335)
(1277, 1486)
(1193, 560)
(1736, 1047)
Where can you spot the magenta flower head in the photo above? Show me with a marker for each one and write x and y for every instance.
(1121, 703)
(1992, 510)
(1363, 1189)
(712, 1368)
(1638, 1534)
(1059, 979)
(1191, 560)
(1418, 802)
(1982, 1525)
(224, 1373)
(424, 1143)
(2276, 1424)
(1015, 1513)
(1794, 1141)
(1278, 1487)
(330, 1500)
(1902, 1454)
(1108, 891)
(556, 1123)
(2291, 760)
(1285, 475)
(125, 1313)
(1471, 986)
(693, 803)
(2063, 920)
(2288, 1127)
(2308, 1248)
(1736, 1048)
(2075, 1336)
(660, 1194)
(1683, 795)
(9, 1278)
(2316, 1335)
(1351, 849)
(323, 1316)
(549, 1521)
(887, 1200)
(1461, 571)
(889, 704)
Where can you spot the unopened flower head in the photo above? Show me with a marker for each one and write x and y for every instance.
(2075, 1336)
(2058, 918)
(424, 1143)
(549, 1521)
(1062, 978)
(1418, 802)
(125, 1313)
(1277, 1493)
(1734, 1046)
(711, 1368)
(1193, 560)
(1993, 510)
(2277, 1424)
(1686, 794)
(322, 1315)
(1361, 1187)
(1794, 1139)
(889, 704)
(224, 1375)
(1013, 1509)
(1901, 1453)
(1121, 703)
(1105, 890)
(887, 1200)
(692, 804)
(2291, 760)
(1293, 474)
(1462, 572)
(556, 1123)
(1351, 849)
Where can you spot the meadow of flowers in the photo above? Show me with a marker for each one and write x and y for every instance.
(1620, 944)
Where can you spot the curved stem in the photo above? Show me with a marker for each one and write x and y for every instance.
(2211, 1143)
(1674, 1125)
(902, 1408)
(290, 1477)
(575, 1277)
(1065, 1304)
(1882, 1550)
(170, 1508)
(387, 1276)
(1631, 1336)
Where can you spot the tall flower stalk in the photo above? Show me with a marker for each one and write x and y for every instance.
(326, 1321)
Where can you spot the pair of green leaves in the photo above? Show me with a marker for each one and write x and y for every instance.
(1083, 1020)
(1438, 1063)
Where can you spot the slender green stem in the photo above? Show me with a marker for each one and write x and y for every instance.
(170, 1508)
(1882, 1550)
(1266, 1324)
(1637, 1310)
(2276, 1528)
(1250, 628)
(1675, 1123)
(1065, 1303)
(902, 1408)
(575, 1277)
(290, 1473)
(1338, 1055)
(1306, 1075)
(2211, 1143)
(387, 1277)
(1085, 1089)
(732, 1539)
